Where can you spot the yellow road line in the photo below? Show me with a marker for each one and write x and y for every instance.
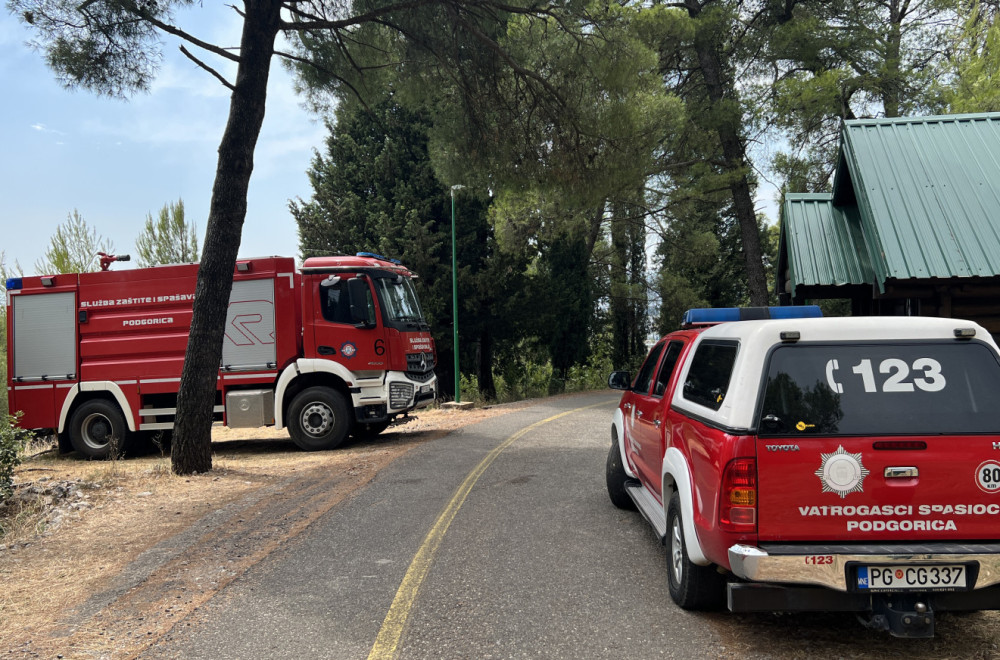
(399, 612)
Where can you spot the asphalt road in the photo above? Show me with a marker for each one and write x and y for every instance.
(534, 562)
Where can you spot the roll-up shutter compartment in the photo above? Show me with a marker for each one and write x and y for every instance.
(44, 336)
(249, 343)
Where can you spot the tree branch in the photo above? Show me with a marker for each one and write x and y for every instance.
(310, 63)
(505, 56)
(318, 24)
(177, 32)
(212, 71)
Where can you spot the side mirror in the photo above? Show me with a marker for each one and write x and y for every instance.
(357, 289)
(619, 380)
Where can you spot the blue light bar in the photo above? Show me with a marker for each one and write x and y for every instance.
(379, 256)
(706, 315)
(712, 315)
(14, 283)
(796, 312)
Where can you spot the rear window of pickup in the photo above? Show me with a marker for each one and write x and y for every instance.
(926, 388)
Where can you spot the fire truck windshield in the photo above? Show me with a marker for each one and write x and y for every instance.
(399, 302)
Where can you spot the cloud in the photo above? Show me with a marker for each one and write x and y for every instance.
(42, 128)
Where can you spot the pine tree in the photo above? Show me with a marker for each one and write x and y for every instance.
(73, 248)
(168, 239)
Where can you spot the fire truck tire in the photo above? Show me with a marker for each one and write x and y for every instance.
(318, 419)
(691, 586)
(370, 430)
(97, 429)
(617, 479)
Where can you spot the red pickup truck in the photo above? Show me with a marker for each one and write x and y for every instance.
(796, 463)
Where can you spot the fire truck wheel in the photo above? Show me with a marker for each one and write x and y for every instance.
(617, 479)
(318, 419)
(370, 430)
(97, 429)
(691, 586)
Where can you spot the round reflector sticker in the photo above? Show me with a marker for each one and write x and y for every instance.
(988, 476)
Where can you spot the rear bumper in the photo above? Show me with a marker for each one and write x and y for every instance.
(752, 597)
(831, 566)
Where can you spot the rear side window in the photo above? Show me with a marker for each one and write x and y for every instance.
(711, 368)
(927, 388)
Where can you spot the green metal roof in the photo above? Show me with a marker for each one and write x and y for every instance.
(927, 191)
(824, 243)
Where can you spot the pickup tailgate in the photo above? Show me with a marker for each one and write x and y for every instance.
(880, 442)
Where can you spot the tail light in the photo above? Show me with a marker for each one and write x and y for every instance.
(738, 507)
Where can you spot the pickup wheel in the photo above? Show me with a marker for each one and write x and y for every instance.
(617, 479)
(318, 419)
(691, 586)
(97, 429)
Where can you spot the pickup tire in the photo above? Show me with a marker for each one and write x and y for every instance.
(691, 586)
(318, 419)
(617, 479)
(97, 429)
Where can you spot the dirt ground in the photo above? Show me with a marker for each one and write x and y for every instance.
(99, 559)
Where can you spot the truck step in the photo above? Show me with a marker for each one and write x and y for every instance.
(649, 507)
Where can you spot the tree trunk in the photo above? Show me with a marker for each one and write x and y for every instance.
(619, 303)
(720, 89)
(891, 83)
(639, 318)
(191, 450)
(486, 385)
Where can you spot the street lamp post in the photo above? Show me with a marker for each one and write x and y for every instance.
(454, 294)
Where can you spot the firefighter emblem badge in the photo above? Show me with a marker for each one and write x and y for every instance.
(842, 472)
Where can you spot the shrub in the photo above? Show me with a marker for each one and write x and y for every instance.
(13, 439)
(3, 390)
(3, 361)
(528, 374)
(593, 375)
(470, 389)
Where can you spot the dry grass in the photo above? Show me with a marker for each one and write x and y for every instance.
(89, 520)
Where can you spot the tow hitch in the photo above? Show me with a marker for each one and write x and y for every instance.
(901, 615)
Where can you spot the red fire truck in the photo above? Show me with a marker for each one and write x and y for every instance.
(339, 347)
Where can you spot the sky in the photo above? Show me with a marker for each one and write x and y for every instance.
(118, 161)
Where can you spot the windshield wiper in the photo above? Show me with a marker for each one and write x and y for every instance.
(414, 322)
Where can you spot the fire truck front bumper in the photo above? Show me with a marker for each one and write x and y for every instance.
(394, 395)
(406, 394)
(786, 577)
